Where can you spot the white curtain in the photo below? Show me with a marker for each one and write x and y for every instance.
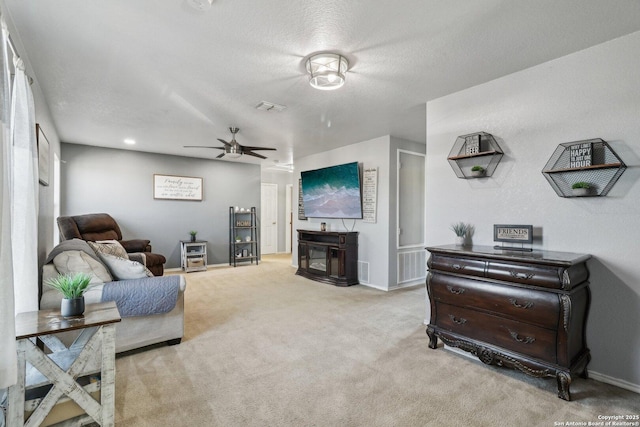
(24, 193)
(8, 363)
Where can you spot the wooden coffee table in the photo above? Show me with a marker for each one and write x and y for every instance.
(92, 351)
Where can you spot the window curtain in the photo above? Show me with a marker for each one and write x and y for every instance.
(24, 193)
(8, 362)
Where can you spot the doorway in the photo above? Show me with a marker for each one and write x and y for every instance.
(269, 218)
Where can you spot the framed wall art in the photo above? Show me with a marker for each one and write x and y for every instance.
(171, 187)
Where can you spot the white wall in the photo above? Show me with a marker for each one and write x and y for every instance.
(593, 93)
(373, 240)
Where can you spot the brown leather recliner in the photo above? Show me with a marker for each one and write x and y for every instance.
(101, 226)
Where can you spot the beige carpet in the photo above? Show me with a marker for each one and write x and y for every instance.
(264, 347)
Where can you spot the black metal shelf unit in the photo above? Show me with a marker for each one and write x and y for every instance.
(601, 174)
(475, 151)
(244, 244)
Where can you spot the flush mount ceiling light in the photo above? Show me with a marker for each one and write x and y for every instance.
(327, 70)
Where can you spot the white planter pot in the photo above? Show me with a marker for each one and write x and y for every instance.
(459, 240)
(581, 192)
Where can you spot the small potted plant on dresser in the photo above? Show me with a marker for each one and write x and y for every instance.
(72, 287)
(193, 235)
(460, 228)
(477, 171)
(581, 188)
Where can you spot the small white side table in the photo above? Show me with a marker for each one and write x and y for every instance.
(93, 351)
(194, 255)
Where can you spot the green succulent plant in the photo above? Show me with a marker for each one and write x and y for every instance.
(70, 285)
(193, 233)
(581, 184)
(477, 168)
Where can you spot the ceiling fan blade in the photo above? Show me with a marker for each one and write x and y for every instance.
(224, 142)
(202, 146)
(221, 155)
(249, 148)
(251, 153)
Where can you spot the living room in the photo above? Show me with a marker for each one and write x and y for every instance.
(590, 92)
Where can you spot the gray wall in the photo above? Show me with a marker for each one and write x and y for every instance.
(120, 183)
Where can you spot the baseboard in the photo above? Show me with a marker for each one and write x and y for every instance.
(614, 381)
(409, 284)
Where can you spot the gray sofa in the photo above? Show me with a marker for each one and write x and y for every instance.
(135, 330)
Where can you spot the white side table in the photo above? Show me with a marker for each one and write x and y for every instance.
(194, 255)
(93, 351)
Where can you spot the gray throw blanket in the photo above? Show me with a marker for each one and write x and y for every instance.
(72, 245)
(142, 297)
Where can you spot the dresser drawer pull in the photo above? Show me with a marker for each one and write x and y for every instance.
(524, 276)
(457, 266)
(527, 304)
(457, 320)
(456, 291)
(525, 340)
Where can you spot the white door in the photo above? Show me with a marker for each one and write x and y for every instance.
(288, 218)
(269, 220)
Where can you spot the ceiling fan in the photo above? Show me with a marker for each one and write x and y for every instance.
(233, 149)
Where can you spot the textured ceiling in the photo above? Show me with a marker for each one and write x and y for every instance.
(168, 75)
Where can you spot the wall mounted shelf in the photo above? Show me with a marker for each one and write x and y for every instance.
(604, 171)
(475, 149)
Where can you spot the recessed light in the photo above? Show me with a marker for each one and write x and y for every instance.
(129, 141)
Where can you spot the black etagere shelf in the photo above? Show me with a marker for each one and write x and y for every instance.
(601, 171)
(475, 155)
(244, 245)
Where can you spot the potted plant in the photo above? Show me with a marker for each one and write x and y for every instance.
(72, 287)
(477, 171)
(193, 235)
(581, 188)
(460, 228)
(238, 239)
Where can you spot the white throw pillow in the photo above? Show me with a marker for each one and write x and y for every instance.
(71, 262)
(123, 269)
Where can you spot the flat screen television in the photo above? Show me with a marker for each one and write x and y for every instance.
(332, 192)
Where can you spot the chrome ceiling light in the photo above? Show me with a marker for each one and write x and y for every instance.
(327, 70)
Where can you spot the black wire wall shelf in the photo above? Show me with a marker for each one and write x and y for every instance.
(600, 172)
(478, 151)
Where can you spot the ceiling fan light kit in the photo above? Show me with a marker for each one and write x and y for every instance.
(327, 71)
(233, 149)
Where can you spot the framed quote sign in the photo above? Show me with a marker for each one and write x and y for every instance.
(512, 233)
(170, 187)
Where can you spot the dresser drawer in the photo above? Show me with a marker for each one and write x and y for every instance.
(537, 307)
(459, 265)
(509, 334)
(530, 274)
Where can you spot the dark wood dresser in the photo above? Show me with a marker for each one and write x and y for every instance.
(523, 310)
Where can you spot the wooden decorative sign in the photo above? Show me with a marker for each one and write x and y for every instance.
(177, 187)
(472, 144)
(511, 233)
(580, 155)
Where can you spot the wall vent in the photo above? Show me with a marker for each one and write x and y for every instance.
(412, 266)
(363, 272)
(270, 106)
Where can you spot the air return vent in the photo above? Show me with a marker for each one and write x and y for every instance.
(270, 106)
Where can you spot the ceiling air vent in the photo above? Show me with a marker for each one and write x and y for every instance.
(270, 106)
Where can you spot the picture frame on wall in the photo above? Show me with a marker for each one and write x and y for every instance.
(172, 187)
(42, 144)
